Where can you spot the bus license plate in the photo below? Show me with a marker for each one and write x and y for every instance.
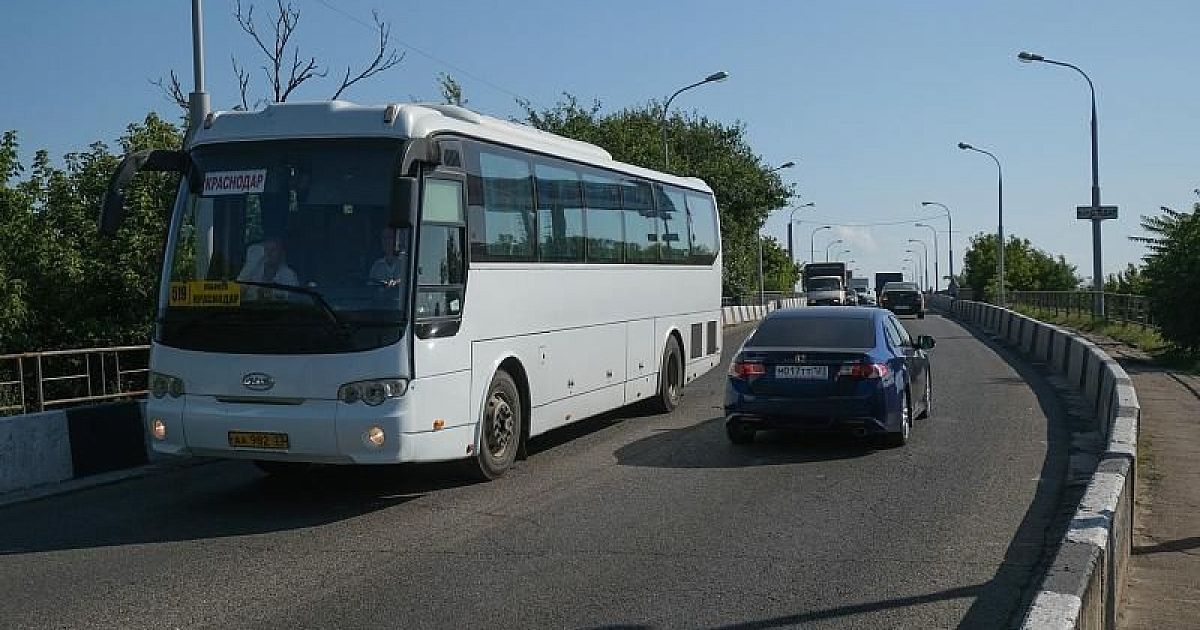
(257, 439)
(804, 372)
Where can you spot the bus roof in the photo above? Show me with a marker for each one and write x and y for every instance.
(343, 119)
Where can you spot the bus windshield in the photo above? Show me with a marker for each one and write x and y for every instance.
(285, 248)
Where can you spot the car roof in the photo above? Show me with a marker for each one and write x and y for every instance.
(827, 312)
(901, 285)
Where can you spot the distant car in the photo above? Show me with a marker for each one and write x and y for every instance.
(864, 297)
(903, 297)
(842, 369)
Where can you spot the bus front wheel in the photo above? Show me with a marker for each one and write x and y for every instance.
(499, 428)
(670, 378)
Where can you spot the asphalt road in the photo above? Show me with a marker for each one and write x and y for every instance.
(626, 521)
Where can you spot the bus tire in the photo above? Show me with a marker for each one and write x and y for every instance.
(670, 378)
(499, 428)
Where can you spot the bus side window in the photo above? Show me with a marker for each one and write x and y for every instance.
(560, 214)
(702, 214)
(605, 236)
(674, 236)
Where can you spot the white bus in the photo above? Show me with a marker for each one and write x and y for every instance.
(350, 284)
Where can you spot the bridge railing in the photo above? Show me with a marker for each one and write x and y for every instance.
(1118, 307)
(37, 381)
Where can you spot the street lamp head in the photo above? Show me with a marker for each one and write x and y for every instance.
(716, 76)
(913, 240)
(922, 225)
(927, 203)
(964, 146)
(785, 165)
(807, 205)
(1028, 57)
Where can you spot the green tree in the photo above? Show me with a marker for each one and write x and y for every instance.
(62, 285)
(1131, 281)
(780, 273)
(746, 189)
(1172, 274)
(1026, 268)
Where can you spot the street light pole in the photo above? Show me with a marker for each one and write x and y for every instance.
(762, 289)
(839, 254)
(920, 270)
(925, 264)
(1000, 216)
(792, 219)
(716, 76)
(949, 235)
(936, 255)
(1097, 267)
(831, 244)
(198, 104)
(812, 243)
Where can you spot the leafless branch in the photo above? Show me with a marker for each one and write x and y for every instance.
(243, 79)
(384, 58)
(173, 91)
(284, 27)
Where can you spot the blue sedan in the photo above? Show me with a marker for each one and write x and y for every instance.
(847, 369)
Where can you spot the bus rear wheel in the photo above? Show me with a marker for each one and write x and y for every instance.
(670, 379)
(499, 428)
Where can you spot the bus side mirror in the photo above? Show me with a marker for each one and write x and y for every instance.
(112, 212)
(405, 200)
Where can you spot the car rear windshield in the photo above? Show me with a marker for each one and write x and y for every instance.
(814, 332)
(824, 284)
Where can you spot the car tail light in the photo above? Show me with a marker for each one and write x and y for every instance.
(746, 369)
(864, 370)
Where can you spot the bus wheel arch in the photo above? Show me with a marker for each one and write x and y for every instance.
(513, 366)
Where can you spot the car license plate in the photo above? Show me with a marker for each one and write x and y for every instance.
(804, 372)
(258, 439)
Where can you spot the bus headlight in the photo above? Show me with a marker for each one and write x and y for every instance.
(374, 392)
(163, 384)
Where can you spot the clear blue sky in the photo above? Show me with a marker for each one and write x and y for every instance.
(869, 98)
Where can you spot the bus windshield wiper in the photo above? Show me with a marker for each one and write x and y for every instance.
(340, 325)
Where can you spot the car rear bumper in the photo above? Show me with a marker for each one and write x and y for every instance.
(835, 414)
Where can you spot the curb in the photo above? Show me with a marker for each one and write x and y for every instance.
(1084, 583)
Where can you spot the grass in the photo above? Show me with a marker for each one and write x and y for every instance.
(1141, 337)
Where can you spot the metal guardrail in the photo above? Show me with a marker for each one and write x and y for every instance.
(1118, 307)
(36, 381)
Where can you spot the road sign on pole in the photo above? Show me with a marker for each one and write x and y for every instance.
(1103, 213)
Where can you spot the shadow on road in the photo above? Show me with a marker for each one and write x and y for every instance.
(211, 501)
(705, 446)
(855, 609)
(1182, 545)
(1013, 587)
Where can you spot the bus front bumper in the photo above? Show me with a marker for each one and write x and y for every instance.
(318, 431)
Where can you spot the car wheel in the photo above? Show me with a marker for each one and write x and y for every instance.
(670, 379)
(927, 402)
(740, 432)
(900, 438)
(499, 429)
(920, 314)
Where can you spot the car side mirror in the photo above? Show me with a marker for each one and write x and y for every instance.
(925, 342)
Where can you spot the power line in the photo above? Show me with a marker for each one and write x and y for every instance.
(876, 223)
(462, 71)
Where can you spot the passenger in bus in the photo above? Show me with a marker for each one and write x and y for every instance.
(267, 263)
(388, 270)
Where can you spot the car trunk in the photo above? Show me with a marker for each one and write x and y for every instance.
(803, 373)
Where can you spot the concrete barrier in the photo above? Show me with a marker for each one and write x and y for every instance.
(43, 448)
(1084, 584)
